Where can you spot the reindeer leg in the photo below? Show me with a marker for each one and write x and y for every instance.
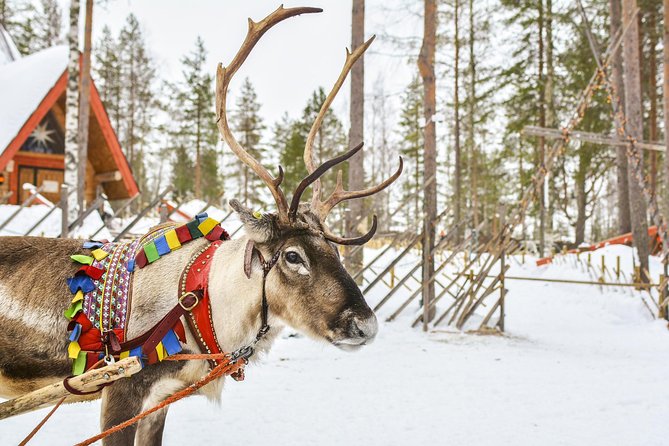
(150, 429)
(128, 397)
(119, 404)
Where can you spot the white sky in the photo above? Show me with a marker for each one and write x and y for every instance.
(292, 59)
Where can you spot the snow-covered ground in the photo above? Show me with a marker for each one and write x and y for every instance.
(578, 366)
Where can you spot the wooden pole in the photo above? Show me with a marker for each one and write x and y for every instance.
(595, 138)
(88, 382)
(64, 203)
(163, 213)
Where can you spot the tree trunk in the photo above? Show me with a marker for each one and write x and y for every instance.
(624, 219)
(72, 112)
(426, 68)
(84, 105)
(549, 101)
(356, 172)
(456, 113)
(665, 97)
(634, 125)
(542, 142)
(581, 216)
(198, 159)
(652, 98)
(473, 174)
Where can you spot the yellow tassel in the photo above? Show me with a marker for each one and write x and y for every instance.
(73, 349)
(206, 226)
(124, 354)
(99, 254)
(172, 240)
(79, 296)
(160, 350)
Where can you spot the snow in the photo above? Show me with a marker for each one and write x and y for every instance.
(51, 226)
(23, 85)
(578, 366)
(194, 206)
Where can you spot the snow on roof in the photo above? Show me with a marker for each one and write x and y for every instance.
(8, 50)
(23, 85)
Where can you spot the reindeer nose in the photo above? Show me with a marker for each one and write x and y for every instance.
(364, 328)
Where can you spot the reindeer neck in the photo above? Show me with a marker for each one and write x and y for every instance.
(235, 299)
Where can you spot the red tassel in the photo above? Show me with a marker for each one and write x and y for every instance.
(140, 260)
(91, 271)
(183, 234)
(214, 234)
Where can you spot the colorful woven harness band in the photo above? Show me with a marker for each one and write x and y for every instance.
(102, 292)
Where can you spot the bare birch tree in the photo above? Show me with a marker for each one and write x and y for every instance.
(72, 112)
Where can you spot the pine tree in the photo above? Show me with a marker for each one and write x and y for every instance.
(33, 27)
(137, 75)
(479, 84)
(525, 80)
(108, 75)
(411, 147)
(49, 23)
(195, 133)
(247, 124)
(182, 172)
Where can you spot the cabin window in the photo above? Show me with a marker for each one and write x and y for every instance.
(47, 138)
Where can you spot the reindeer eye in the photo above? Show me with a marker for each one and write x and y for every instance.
(293, 257)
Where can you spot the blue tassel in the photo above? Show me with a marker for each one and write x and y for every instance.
(171, 343)
(201, 217)
(92, 245)
(76, 332)
(137, 351)
(161, 246)
(82, 282)
(130, 266)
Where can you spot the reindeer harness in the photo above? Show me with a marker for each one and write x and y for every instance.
(102, 289)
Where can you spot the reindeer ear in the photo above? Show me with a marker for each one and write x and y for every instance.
(258, 226)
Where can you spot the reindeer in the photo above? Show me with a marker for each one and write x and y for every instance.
(308, 289)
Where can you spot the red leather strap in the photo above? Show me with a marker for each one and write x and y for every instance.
(195, 278)
(158, 332)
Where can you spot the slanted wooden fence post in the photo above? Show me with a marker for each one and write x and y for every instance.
(502, 268)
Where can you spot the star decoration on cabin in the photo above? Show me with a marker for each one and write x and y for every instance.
(42, 135)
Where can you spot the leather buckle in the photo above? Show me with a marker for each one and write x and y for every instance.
(184, 296)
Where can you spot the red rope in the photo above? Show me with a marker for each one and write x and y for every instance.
(41, 423)
(224, 368)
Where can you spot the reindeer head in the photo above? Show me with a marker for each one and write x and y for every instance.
(308, 287)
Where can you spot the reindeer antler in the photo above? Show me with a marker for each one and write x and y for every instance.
(223, 77)
(309, 159)
(320, 208)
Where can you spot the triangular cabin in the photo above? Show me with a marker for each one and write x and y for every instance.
(32, 124)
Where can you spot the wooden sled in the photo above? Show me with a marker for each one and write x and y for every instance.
(86, 382)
